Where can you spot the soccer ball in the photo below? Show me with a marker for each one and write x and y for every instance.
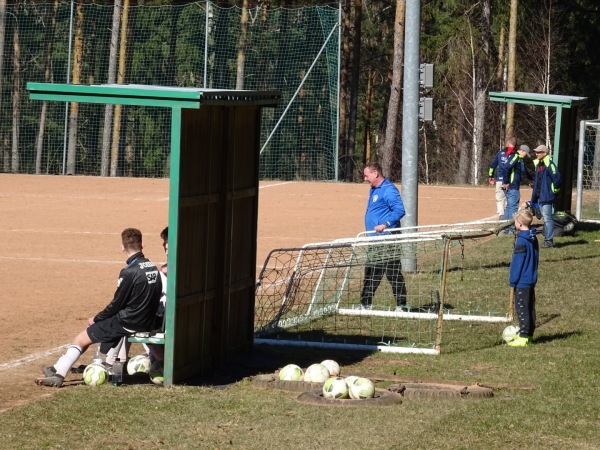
(334, 368)
(362, 388)
(138, 364)
(335, 387)
(350, 380)
(510, 333)
(291, 372)
(156, 373)
(316, 373)
(95, 375)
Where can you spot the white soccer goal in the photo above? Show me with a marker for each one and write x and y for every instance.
(312, 295)
(588, 172)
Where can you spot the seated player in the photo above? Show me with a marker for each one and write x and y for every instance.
(132, 309)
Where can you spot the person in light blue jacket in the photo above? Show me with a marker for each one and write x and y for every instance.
(384, 211)
(523, 276)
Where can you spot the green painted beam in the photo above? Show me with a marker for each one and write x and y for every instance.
(146, 95)
(531, 98)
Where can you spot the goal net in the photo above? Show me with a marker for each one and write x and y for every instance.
(327, 294)
(588, 172)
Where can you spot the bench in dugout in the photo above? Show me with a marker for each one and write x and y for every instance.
(150, 337)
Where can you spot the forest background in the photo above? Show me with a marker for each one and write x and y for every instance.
(543, 46)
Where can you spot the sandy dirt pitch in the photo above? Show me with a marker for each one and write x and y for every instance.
(61, 255)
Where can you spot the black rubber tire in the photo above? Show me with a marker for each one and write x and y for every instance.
(381, 398)
(271, 382)
(406, 390)
(444, 391)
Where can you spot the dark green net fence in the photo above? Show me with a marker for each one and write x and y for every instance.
(295, 51)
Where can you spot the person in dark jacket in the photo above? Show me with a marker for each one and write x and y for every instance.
(132, 309)
(496, 175)
(523, 277)
(514, 172)
(384, 211)
(546, 184)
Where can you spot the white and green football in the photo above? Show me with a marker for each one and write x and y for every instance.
(335, 387)
(316, 373)
(291, 372)
(361, 389)
(95, 375)
(510, 333)
(332, 366)
(350, 380)
(139, 364)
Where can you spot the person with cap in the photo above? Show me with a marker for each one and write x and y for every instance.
(495, 169)
(514, 171)
(546, 184)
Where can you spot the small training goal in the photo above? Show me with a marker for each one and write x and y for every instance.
(311, 296)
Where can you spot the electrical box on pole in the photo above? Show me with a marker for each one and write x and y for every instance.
(426, 109)
(426, 76)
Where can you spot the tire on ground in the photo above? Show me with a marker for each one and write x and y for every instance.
(381, 398)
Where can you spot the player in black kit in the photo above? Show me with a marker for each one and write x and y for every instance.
(132, 309)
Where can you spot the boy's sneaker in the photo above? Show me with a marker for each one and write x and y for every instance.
(519, 342)
(53, 381)
(548, 244)
(49, 371)
(363, 306)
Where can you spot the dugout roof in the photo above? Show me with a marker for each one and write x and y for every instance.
(565, 131)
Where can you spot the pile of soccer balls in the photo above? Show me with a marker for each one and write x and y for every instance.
(334, 385)
(96, 374)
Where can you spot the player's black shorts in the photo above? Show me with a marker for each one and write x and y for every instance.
(108, 332)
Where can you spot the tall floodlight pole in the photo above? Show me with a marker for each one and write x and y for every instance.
(410, 119)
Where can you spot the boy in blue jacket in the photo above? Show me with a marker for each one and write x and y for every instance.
(523, 277)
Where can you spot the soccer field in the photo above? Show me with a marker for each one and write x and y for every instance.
(61, 252)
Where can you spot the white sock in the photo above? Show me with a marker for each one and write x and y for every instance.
(66, 361)
(118, 351)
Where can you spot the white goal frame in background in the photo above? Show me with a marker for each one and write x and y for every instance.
(588, 172)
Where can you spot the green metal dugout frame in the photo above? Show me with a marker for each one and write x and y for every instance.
(213, 211)
(565, 131)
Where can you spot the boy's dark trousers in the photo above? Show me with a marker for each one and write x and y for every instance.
(525, 309)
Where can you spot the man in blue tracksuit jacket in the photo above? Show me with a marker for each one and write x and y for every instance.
(546, 184)
(384, 211)
(523, 276)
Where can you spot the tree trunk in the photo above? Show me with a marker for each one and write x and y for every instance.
(512, 61)
(354, 83)
(76, 79)
(480, 93)
(500, 68)
(39, 145)
(462, 144)
(4, 149)
(241, 59)
(112, 75)
(116, 133)
(16, 101)
(372, 76)
(345, 59)
(386, 151)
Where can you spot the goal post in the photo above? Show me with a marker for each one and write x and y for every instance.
(588, 172)
(312, 295)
